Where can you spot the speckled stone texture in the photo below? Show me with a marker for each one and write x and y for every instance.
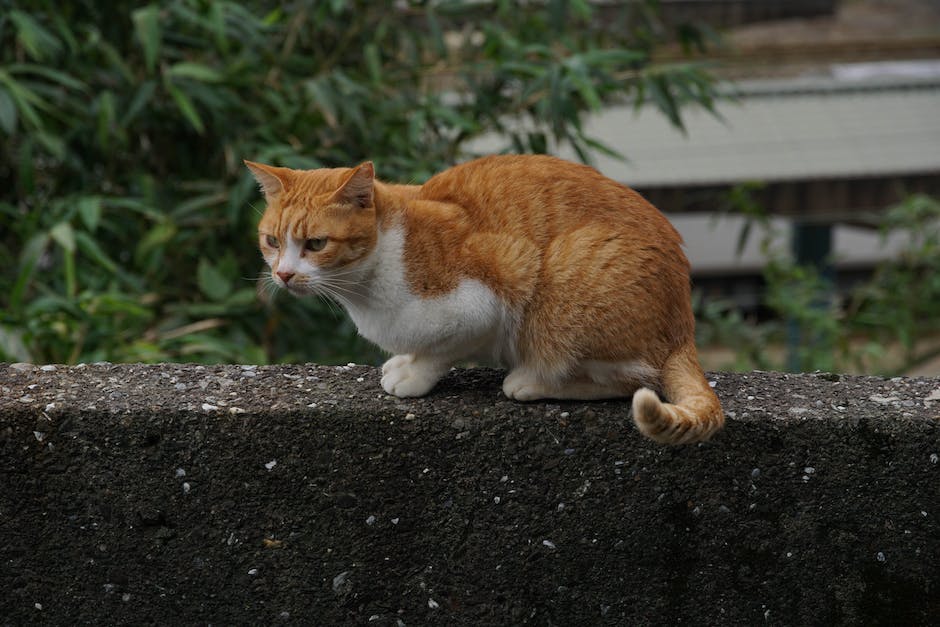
(181, 494)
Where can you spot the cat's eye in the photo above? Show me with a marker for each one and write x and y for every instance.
(315, 244)
(272, 241)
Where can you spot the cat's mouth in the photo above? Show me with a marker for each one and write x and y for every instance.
(337, 289)
(304, 289)
(293, 284)
(295, 289)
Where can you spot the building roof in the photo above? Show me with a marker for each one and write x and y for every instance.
(862, 126)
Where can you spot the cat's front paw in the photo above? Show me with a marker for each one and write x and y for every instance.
(406, 376)
(396, 362)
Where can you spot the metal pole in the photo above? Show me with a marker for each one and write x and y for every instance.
(812, 246)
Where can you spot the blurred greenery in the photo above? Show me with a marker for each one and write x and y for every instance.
(126, 217)
(887, 324)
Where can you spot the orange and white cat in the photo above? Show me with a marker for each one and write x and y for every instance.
(569, 279)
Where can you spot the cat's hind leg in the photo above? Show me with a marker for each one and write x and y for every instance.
(591, 380)
(412, 375)
(525, 385)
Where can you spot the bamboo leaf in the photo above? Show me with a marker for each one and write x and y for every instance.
(64, 30)
(7, 112)
(105, 106)
(373, 63)
(90, 247)
(156, 238)
(64, 235)
(12, 347)
(193, 205)
(29, 257)
(323, 97)
(38, 42)
(26, 101)
(586, 90)
(186, 107)
(664, 100)
(147, 28)
(27, 166)
(141, 99)
(53, 143)
(116, 61)
(604, 149)
(217, 22)
(211, 282)
(89, 208)
(195, 71)
(55, 76)
(273, 17)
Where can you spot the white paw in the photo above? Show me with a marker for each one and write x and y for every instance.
(403, 376)
(397, 361)
(523, 386)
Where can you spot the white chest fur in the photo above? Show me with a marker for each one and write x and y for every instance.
(468, 322)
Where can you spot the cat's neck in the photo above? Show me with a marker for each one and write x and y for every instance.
(381, 277)
(380, 284)
(390, 202)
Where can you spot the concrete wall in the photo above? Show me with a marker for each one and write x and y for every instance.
(304, 495)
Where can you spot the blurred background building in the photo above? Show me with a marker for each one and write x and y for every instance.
(837, 116)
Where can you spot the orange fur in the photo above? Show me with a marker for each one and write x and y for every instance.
(594, 273)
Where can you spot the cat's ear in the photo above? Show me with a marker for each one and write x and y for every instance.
(273, 180)
(358, 188)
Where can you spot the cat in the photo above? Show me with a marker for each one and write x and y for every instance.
(572, 281)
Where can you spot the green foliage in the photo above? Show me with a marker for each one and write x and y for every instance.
(805, 299)
(126, 217)
(902, 302)
(899, 305)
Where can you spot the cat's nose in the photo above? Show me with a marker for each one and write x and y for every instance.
(285, 276)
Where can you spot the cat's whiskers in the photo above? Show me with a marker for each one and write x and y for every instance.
(269, 287)
(354, 288)
(330, 304)
(321, 286)
(341, 293)
(350, 288)
(334, 301)
(303, 286)
(266, 286)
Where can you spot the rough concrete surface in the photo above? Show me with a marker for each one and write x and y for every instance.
(181, 494)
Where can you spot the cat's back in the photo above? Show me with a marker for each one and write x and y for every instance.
(543, 194)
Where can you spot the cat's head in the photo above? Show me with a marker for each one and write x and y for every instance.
(318, 227)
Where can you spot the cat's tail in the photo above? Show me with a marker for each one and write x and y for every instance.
(693, 413)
